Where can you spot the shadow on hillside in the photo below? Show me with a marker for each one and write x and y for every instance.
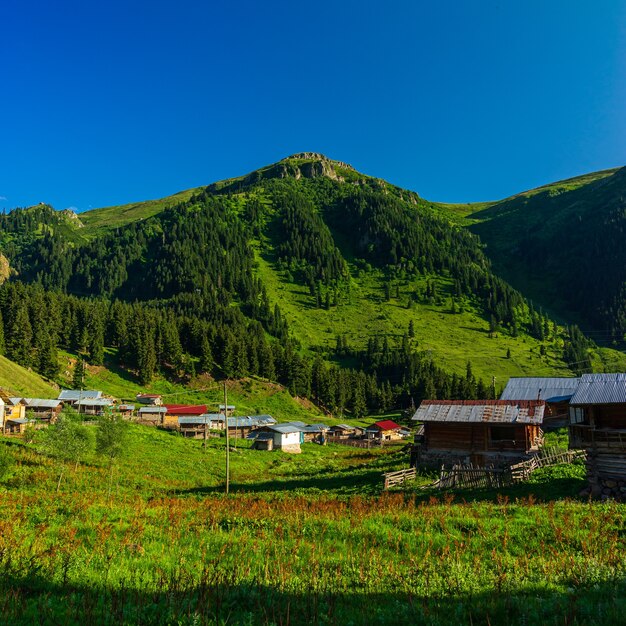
(349, 481)
(214, 597)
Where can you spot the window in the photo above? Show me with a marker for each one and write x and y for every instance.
(502, 433)
(576, 415)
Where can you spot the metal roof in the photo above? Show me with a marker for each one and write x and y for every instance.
(152, 409)
(315, 428)
(125, 407)
(42, 403)
(600, 389)
(343, 427)
(548, 389)
(75, 394)
(479, 411)
(285, 428)
(95, 402)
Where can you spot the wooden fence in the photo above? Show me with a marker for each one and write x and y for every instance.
(468, 476)
(397, 478)
(356, 443)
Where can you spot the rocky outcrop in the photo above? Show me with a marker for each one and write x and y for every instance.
(72, 217)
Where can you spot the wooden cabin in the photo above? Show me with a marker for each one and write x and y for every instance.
(175, 411)
(125, 410)
(555, 392)
(73, 396)
(483, 432)
(385, 430)
(151, 399)
(598, 425)
(151, 415)
(93, 406)
(343, 431)
(16, 426)
(42, 410)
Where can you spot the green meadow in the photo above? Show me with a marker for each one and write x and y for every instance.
(302, 539)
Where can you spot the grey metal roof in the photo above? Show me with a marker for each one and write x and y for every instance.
(15, 401)
(344, 427)
(42, 403)
(548, 389)
(230, 407)
(285, 428)
(196, 419)
(95, 402)
(315, 428)
(75, 394)
(153, 409)
(481, 411)
(600, 389)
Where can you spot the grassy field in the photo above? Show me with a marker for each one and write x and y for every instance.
(307, 539)
(21, 381)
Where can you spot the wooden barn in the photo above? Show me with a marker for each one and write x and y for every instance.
(151, 399)
(598, 426)
(555, 392)
(482, 432)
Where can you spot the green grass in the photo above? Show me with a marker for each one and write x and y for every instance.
(306, 539)
(451, 338)
(22, 382)
(108, 218)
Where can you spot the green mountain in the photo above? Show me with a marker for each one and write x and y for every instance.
(348, 290)
(562, 245)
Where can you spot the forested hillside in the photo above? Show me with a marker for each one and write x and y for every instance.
(564, 245)
(305, 272)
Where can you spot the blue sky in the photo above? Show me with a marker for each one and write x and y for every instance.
(111, 102)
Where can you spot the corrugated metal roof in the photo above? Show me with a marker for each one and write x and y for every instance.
(478, 411)
(95, 402)
(548, 389)
(600, 389)
(75, 394)
(384, 425)
(344, 427)
(285, 428)
(42, 403)
(152, 409)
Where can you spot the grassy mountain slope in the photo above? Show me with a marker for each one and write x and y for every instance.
(22, 382)
(562, 244)
(359, 269)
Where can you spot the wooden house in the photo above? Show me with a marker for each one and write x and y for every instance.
(385, 430)
(125, 410)
(230, 409)
(93, 406)
(175, 411)
(14, 408)
(555, 392)
(151, 415)
(73, 396)
(598, 425)
(342, 431)
(16, 426)
(152, 399)
(43, 410)
(498, 432)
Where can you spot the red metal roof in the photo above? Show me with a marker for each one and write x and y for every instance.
(531, 405)
(186, 409)
(387, 425)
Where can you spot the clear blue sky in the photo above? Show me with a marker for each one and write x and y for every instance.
(112, 102)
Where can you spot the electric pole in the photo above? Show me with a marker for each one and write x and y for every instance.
(227, 442)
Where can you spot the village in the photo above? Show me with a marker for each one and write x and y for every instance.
(485, 437)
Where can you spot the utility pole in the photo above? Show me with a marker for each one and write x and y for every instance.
(227, 442)
(493, 384)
